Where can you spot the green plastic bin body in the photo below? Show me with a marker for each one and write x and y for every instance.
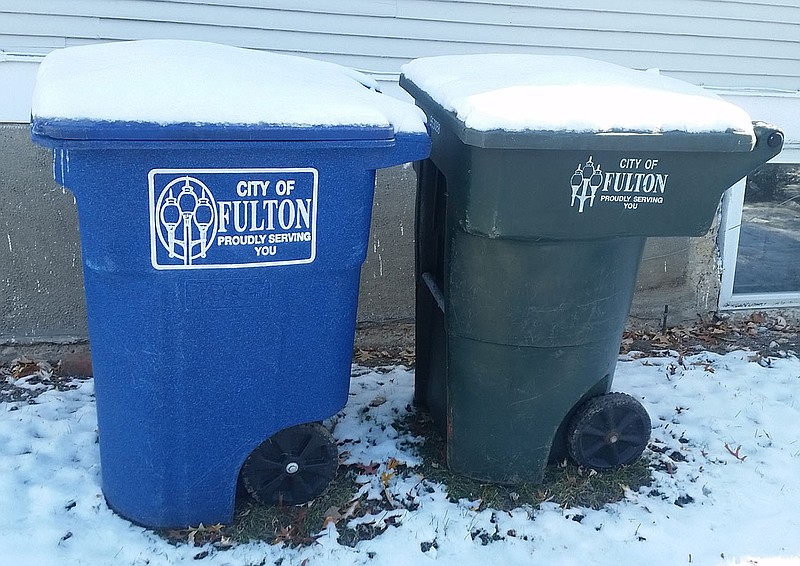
(527, 250)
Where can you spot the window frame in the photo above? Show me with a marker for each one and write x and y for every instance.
(728, 242)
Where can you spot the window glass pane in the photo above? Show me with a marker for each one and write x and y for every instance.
(768, 259)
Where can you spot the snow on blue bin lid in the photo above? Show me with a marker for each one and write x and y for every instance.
(540, 93)
(189, 90)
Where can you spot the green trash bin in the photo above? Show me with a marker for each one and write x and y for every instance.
(545, 178)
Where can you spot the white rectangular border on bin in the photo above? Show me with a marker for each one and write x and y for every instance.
(157, 228)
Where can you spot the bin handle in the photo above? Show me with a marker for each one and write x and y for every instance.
(438, 296)
(406, 147)
(769, 139)
(768, 144)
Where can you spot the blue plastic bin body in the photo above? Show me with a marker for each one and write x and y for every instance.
(221, 288)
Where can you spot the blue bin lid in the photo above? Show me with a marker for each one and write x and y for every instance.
(187, 90)
(64, 129)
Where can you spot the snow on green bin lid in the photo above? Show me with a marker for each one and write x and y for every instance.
(169, 82)
(572, 94)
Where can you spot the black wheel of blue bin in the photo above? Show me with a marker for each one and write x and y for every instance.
(294, 466)
(608, 431)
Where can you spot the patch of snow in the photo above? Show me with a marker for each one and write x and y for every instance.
(563, 93)
(707, 505)
(174, 81)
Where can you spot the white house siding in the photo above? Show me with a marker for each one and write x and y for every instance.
(753, 44)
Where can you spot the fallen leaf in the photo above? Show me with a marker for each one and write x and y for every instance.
(662, 339)
(386, 477)
(284, 534)
(364, 355)
(21, 370)
(351, 510)
(332, 515)
(371, 469)
(378, 401)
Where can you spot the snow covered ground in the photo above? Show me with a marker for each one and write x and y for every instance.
(728, 497)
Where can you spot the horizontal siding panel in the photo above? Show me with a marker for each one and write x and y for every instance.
(29, 44)
(358, 6)
(160, 9)
(352, 7)
(392, 36)
(624, 23)
(37, 25)
(421, 17)
(755, 10)
(764, 10)
(716, 21)
(716, 42)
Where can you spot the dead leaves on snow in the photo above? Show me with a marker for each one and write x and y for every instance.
(735, 453)
(32, 371)
(375, 357)
(201, 535)
(335, 514)
(23, 379)
(714, 332)
(389, 472)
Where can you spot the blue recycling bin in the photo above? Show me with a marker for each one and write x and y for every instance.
(221, 266)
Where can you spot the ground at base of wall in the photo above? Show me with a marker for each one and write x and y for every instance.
(382, 343)
(73, 355)
(762, 333)
(37, 368)
(24, 379)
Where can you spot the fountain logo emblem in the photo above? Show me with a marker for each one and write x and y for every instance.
(585, 181)
(186, 219)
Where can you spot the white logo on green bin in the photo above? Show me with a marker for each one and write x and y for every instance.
(585, 182)
(187, 219)
(633, 182)
(232, 218)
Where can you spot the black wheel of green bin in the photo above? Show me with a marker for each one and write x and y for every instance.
(294, 466)
(608, 431)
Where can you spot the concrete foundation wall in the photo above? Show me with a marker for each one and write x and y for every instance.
(41, 287)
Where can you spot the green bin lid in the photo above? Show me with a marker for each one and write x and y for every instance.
(558, 102)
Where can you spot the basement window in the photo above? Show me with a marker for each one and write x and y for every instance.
(760, 237)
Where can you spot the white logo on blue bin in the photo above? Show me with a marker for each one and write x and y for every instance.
(187, 219)
(232, 218)
(587, 178)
